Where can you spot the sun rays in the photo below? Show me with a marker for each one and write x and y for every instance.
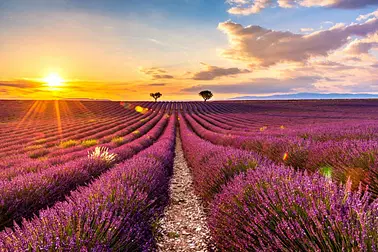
(59, 111)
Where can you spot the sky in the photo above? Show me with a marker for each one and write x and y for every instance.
(126, 49)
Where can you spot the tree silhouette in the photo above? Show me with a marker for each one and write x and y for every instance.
(206, 94)
(156, 95)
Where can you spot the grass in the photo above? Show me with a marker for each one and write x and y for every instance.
(89, 142)
(118, 140)
(173, 235)
(39, 153)
(33, 147)
(68, 144)
(40, 141)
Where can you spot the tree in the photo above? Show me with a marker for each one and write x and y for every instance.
(206, 95)
(156, 95)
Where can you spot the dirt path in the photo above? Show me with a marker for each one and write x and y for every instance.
(184, 224)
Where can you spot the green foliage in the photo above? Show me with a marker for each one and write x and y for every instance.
(33, 147)
(326, 171)
(118, 141)
(89, 142)
(68, 144)
(156, 95)
(38, 153)
(206, 94)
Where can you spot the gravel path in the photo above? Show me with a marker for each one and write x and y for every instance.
(183, 227)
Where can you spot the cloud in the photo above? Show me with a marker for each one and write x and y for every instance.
(156, 73)
(237, 1)
(259, 86)
(286, 3)
(307, 29)
(367, 16)
(343, 4)
(265, 47)
(4, 91)
(362, 46)
(22, 84)
(158, 42)
(363, 87)
(162, 76)
(101, 87)
(156, 84)
(213, 72)
(248, 7)
(331, 65)
(368, 85)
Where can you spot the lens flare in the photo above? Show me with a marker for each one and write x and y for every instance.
(53, 81)
(141, 110)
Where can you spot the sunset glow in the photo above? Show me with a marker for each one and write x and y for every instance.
(53, 81)
(124, 50)
(189, 125)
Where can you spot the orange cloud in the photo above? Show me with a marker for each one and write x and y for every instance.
(156, 73)
(213, 72)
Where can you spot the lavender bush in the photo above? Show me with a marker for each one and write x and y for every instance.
(274, 208)
(114, 213)
(213, 166)
(25, 195)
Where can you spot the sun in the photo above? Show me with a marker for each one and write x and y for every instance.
(53, 80)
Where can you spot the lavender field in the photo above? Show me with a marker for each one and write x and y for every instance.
(269, 175)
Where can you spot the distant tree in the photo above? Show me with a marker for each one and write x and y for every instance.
(206, 94)
(156, 96)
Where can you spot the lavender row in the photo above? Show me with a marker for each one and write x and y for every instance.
(51, 154)
(321, 132)
(214, 166)
(81, 133)
(274, 208)
(66, 129)
(355, 159)
(25, 195)
(115, 117)
(23, 166)
(115, 213)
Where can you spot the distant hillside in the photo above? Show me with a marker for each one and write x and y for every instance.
(308, 96)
